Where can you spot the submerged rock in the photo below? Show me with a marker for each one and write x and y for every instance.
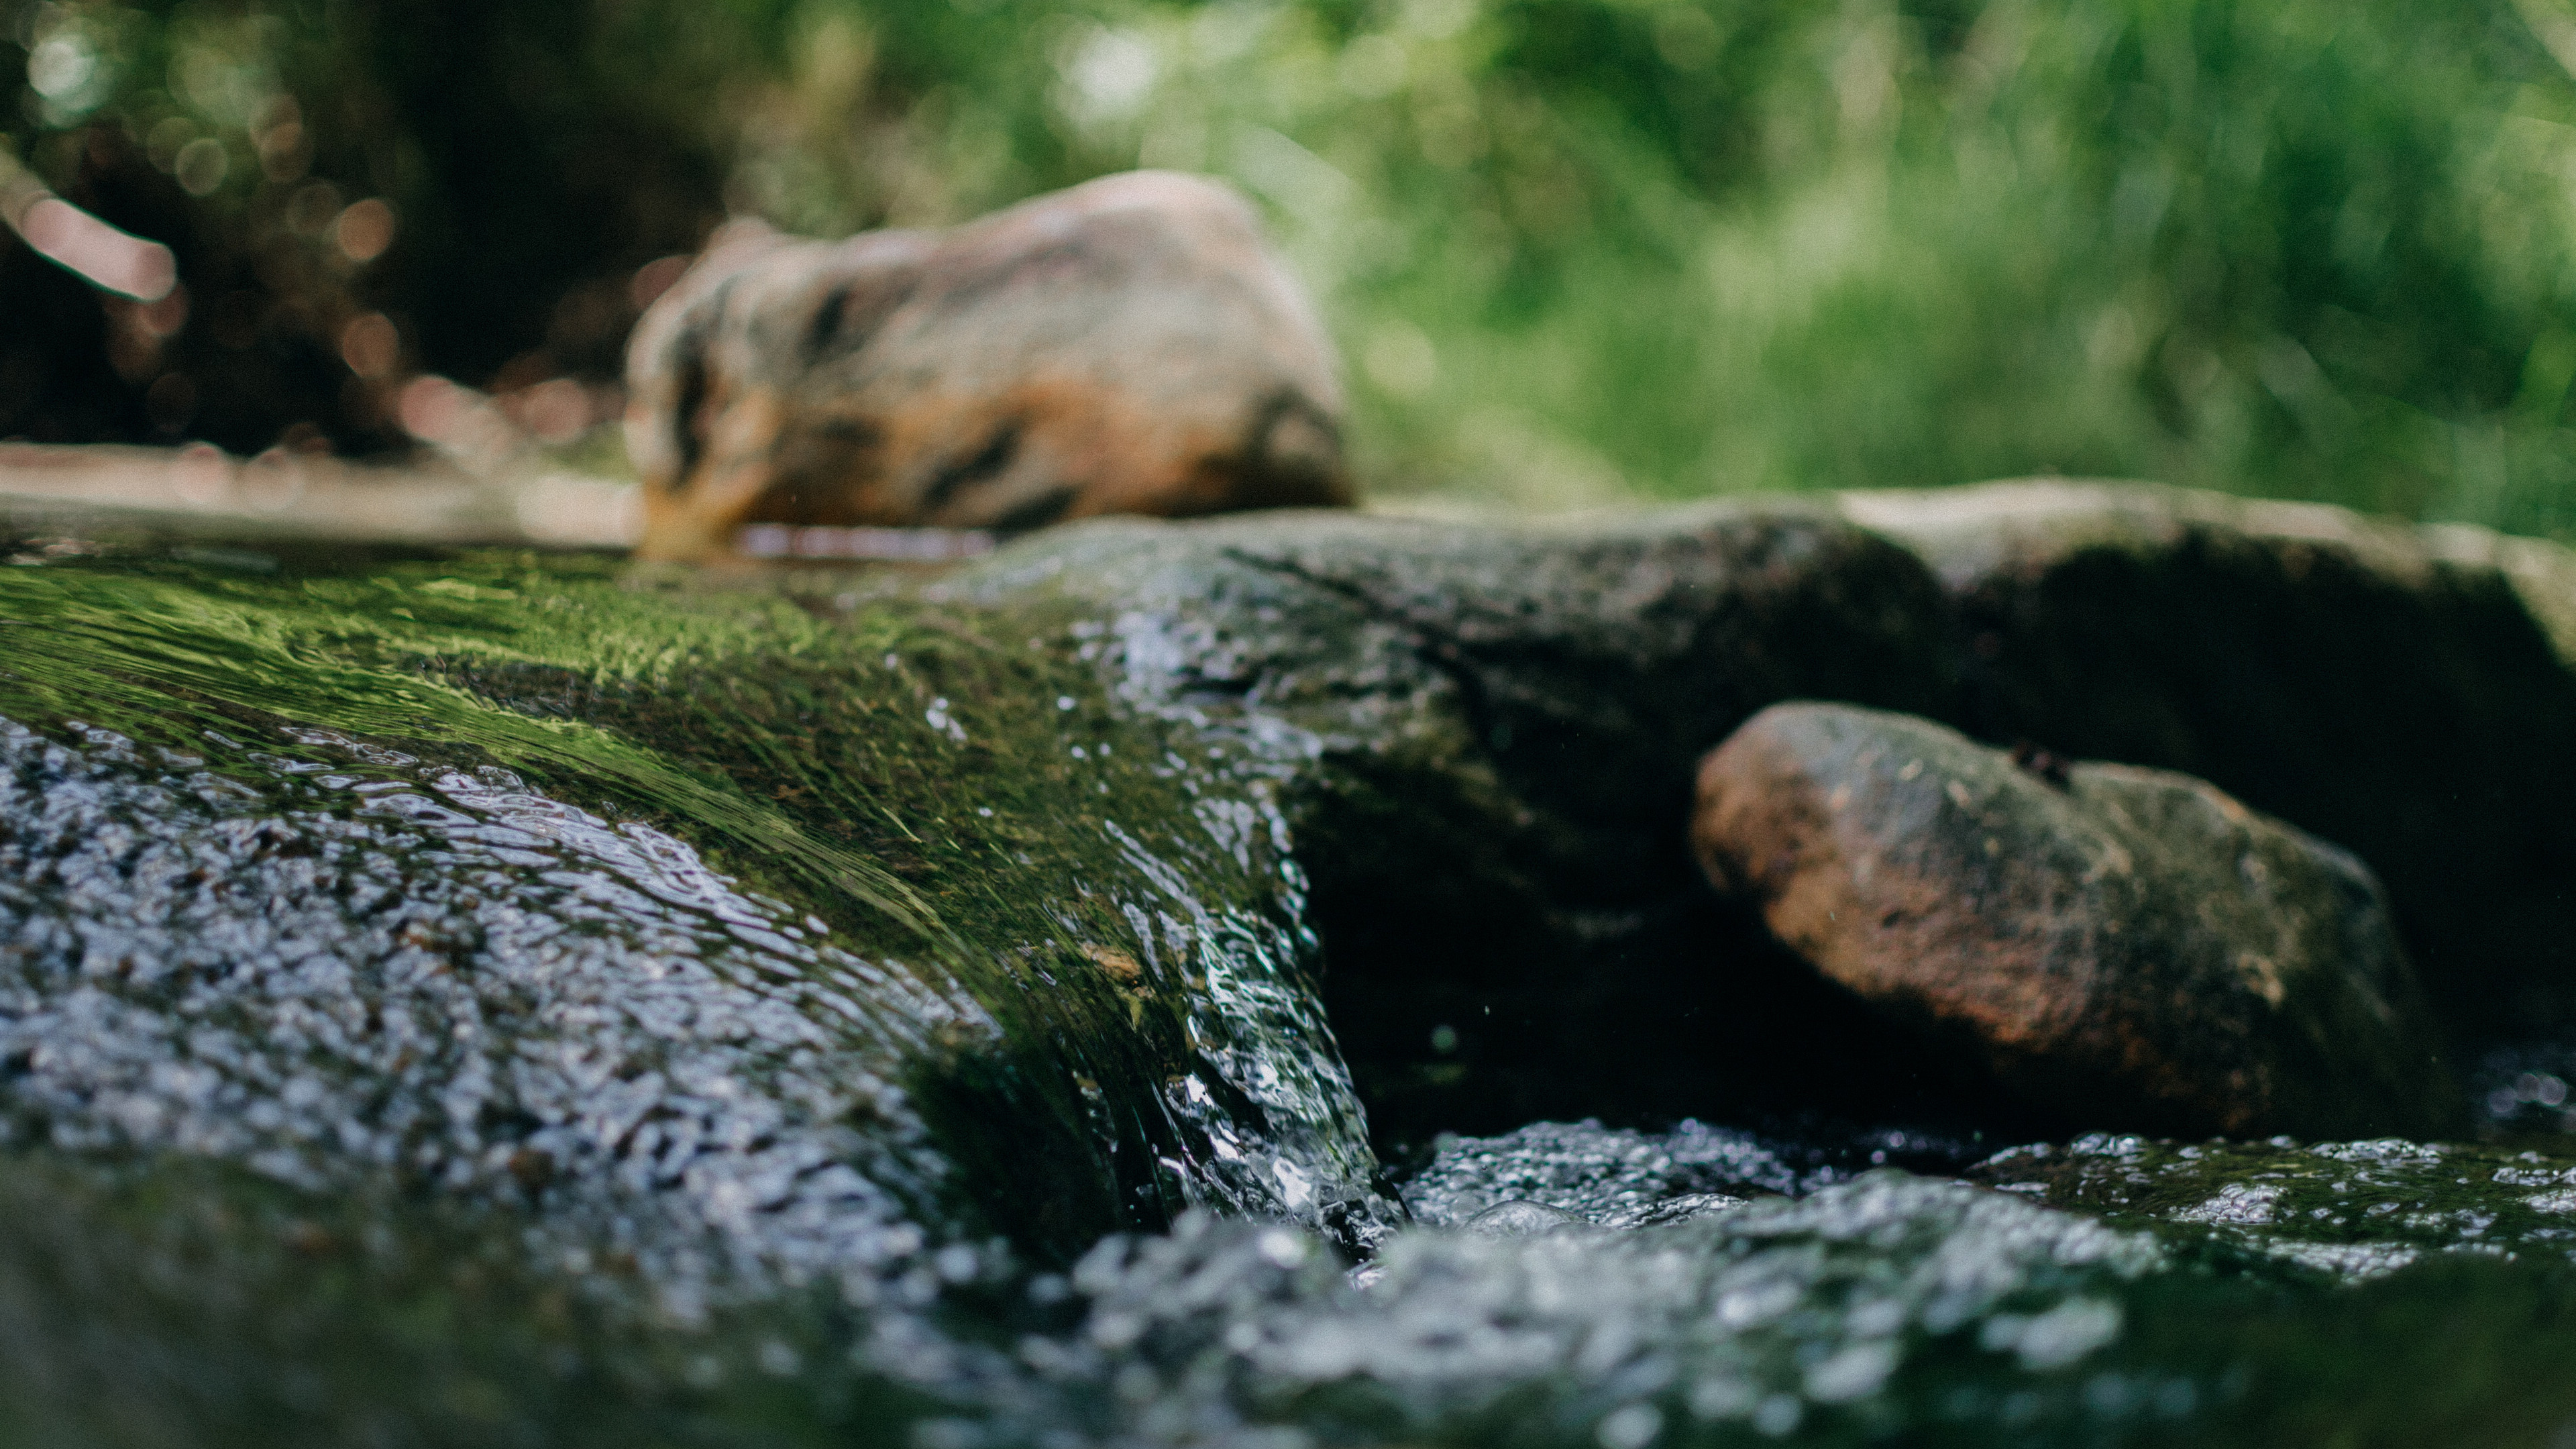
(176, 1303)
(1887, 1308)
(2130, 947)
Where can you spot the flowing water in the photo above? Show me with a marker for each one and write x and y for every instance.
(491, 998)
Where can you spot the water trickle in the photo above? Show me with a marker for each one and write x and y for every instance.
(495, 998)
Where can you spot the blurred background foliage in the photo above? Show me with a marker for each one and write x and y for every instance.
(1575, 251)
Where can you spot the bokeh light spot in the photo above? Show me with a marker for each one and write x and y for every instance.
(364, 230)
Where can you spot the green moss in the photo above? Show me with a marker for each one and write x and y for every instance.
(943, 785)
(1132, 944)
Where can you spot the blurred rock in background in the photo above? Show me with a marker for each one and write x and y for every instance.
(1577, 250)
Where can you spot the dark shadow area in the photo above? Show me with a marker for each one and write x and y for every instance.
(1466, 1000)
(247, 353)
(1522, 936)
(2427, 726)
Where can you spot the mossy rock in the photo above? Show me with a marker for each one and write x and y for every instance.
(655, 926)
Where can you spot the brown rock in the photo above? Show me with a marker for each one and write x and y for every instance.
(2406, 692)
(1129, 345)
(2125, 946)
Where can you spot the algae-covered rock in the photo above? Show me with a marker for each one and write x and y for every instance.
(820, 916)
(667, 915)
(731, 1009)
(2130, 947)
(1429, 781)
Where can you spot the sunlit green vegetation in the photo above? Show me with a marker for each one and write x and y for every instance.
(1574, 250)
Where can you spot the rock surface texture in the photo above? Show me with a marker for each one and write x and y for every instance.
(2129, 947)
(2403, 692)
(1129, 345)
(467, 998)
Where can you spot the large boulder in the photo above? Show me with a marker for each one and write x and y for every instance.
(1376, 828)
(2130, 947)
(478, 997)
(827, 913)
(1482, 740)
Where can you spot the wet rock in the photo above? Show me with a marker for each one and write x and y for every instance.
(741, 999)
(2408, 693)
(1288, 814)
(186, 1305)
(1523, 707)
(2128, 946)
(716, 1004)
(1129, 345)
(341, 969)
(2352, 1209)
(768, 926)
